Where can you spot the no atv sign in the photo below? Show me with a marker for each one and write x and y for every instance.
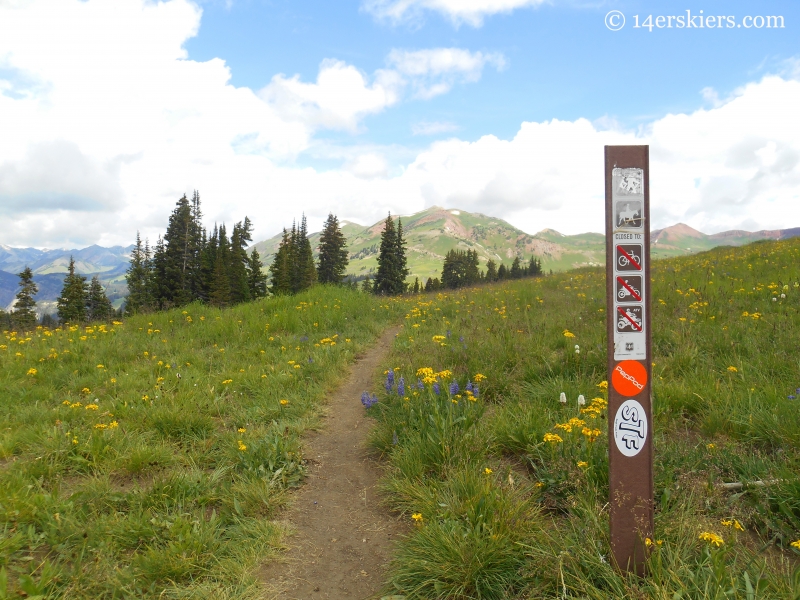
(630, 451)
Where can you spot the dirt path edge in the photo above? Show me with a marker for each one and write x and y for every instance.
(342, 537)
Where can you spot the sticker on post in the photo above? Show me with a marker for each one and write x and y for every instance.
(629, 318)
(629, 288)
(627, 182)
(630, 428)
(628, 257)
(628, 214)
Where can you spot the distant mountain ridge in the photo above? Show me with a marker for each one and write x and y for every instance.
(430, 234)
(50, 266)
(434, 231)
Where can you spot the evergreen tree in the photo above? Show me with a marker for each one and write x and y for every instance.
(391, 275)
(256, 279)
(491, 270)
(196, 245)
(516, 269)
(402, 261)
(460, 268)
(281, 267)
(366, 285)
(306, 272)
(24, 315)
(208, 260)
(220, 286)
(139, 279)
(74, 296)
(502, 272)
(415, 289)
(238, 261)
(98, 306)
(158, 281)
(175, 282)
(534, 267)
(333, 256)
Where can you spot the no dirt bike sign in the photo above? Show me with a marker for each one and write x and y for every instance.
(630, 452)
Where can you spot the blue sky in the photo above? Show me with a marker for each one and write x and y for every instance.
(110, 110)
(562, 60)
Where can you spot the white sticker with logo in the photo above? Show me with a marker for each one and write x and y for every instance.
(630, 428)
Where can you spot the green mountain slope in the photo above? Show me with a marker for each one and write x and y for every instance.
(434, 231)
(430, 234)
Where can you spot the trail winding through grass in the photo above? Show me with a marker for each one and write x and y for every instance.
(342, 537)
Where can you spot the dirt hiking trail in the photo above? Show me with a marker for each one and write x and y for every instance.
(342, 538)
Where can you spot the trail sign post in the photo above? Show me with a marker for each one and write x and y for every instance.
(630, 452)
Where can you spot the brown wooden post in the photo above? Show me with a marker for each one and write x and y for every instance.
(630, 452)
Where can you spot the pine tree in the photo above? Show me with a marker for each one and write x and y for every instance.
(502, 272)
(159, 288)
(366, 285)
(306, 272)
(516, 269)
(415, 289)
(333, 256)
(402, 261)
(139, 279)
(220, 287)
(98, 306)
(74, 296)
(491, 270)
(281, 267)
(256, 279)
(240, 289)
(175, 285)
(196, 244)
(392, 272)
(24, 315)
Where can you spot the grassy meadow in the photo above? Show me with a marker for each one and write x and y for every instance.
(508, 487)
(147, 458)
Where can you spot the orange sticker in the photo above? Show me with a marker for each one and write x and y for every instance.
(629, 377)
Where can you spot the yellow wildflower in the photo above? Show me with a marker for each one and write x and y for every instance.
(733, 369)
(552, 437)
(242, 430)
(32, 371)
(417, 517)
(487, 471)
(583, 464)
(712, 538)
(242, 447)
(284, 402)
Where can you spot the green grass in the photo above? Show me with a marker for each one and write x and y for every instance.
(501, 513)
(147, 459)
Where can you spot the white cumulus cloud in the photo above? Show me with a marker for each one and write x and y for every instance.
(471, 12)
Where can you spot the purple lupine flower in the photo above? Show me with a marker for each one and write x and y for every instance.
(310, 359)
(365, 399)
(420, 385)
(791, 396)
(454, 388)
(436, 389)
(461, 339)
(390, 377)
(401, 387)
(374, 399)
(475, 391)
(388, 387)
(448, 333)
(469, 386)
